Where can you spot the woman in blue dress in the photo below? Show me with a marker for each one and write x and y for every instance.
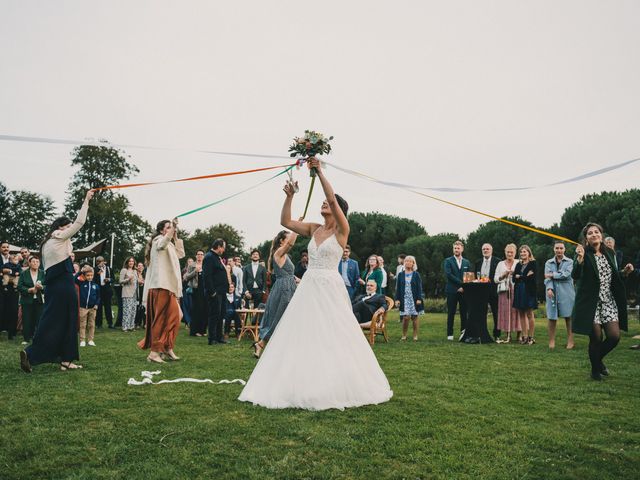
(56, 338)
(282, 290)
(524, 296)
(409, 296)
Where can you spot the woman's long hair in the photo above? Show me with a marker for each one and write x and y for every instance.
(125, 265)
(57, 223)
(158, 232)
(369, 269)
(274, 246)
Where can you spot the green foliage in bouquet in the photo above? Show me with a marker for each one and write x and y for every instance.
(310, 144)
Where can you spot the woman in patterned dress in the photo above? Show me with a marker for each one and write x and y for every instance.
(409, 296)
(282, 290)
(129, 282)
(601, 303)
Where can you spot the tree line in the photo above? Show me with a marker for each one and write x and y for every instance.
(25, 216)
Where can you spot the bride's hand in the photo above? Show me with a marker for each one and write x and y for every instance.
(313, 162)
(290, 188)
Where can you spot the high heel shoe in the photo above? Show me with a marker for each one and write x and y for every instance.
(256, 352)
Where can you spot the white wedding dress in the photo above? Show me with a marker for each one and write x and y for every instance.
(318, 357)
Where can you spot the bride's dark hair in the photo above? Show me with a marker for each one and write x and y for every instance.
(57, 223)
(344, 206)
(274, 246)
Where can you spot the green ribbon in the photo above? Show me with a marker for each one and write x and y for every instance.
(306, 207)
(218, 202)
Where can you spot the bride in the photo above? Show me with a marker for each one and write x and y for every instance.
(318, 357)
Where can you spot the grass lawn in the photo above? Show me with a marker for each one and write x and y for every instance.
(458, 411)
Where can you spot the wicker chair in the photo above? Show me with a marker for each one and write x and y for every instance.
(378, 324)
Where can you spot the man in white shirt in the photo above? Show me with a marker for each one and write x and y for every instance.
(106, 292)
(255, 279)
(486, 266)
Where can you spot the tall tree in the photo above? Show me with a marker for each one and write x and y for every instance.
(617, 212)
(201, 239)
(110, 212)
(372, 232)
(31, 214)
(498, 234)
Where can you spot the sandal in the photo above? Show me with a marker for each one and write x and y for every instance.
(155, 360)
(69, 366)
(257, 353)
(403, 339)
(531, 341)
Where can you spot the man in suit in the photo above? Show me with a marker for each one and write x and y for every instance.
(349, 271)
(487, 268)
(255, 279)
(106, 292)
(454, 269)
(366, 306)
(216, 277)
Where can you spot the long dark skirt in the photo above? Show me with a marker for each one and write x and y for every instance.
(199, 312)
(56, 338)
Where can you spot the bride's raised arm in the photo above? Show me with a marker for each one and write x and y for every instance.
(302, 228)
(338, 214)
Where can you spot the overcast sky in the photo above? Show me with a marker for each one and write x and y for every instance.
(448, 94)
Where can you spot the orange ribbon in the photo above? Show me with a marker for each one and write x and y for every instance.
(201, 177)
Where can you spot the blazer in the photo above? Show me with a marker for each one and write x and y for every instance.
(454, 274)
(375, 275)
(260, 278)
(353, 271)
(25, 282)
(191, 276)
(214, 275)
(373, 303)
(416, 291)
(528, 280)
(588, 290)
(108, 274)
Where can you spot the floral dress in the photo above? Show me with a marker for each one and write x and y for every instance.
(409, 302)
(606, 309)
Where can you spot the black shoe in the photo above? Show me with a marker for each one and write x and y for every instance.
(222, 341)
(472, 340)
(112, 327)
(604, 370)
(213, 342)
(596, 376)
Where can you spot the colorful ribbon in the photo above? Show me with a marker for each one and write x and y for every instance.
(410, 189)
(217, 202)
(201, 177)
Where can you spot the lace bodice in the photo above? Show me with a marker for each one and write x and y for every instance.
(326, 256)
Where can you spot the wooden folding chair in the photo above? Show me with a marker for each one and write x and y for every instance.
(378, 324)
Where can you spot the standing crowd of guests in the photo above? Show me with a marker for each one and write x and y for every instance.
(54, 298)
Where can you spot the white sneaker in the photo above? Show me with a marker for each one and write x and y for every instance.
(83, 344)
(450, 337)
(92, 343)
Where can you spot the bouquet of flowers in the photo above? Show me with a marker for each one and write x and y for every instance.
(309, 145)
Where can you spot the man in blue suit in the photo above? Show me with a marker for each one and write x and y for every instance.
(350, 272)
(454, 269)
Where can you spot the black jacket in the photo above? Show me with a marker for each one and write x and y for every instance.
(374, 303)
(260, 278)
(214, 274)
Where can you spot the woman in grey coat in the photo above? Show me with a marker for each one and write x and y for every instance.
(560, 294)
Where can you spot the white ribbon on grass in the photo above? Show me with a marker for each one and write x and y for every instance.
(147, 379)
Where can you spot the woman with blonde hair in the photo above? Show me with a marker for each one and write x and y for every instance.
(508, 317)
(409, 296)
(524, 298)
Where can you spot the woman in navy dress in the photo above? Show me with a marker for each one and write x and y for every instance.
(56, 338)
(524, 298)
